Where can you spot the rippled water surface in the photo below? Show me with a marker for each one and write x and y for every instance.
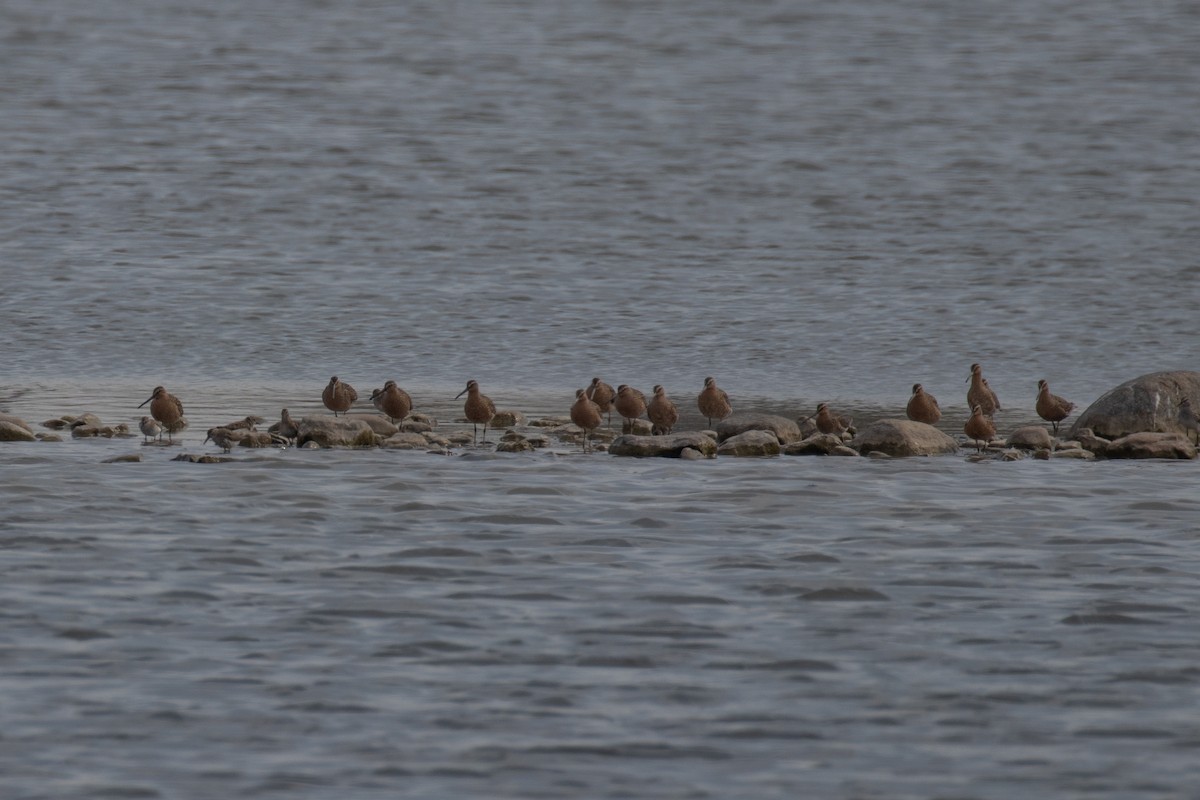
(809, 201)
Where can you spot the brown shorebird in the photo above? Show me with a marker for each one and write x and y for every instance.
(602, 395)
(630, 404)
(1187, 418)
(244, 424)
(713, 402)
(980, 394)
(166, 408)
(286, 427)
(979, 428)
(586, 414)
(338, 396)
(1051, 407)
(150, 428)
(225, 438)
(827, 421)
(661, 411)
(479, 409)
(393, 401)
(923, 407)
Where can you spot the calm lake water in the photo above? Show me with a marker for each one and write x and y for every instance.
(811, 202)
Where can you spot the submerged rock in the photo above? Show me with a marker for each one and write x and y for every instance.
(670, 446)
(1151, 445)
(750, 443)
(903, 437)
(130, 458)
(1147, 403)
(785, 430)
(12, 432)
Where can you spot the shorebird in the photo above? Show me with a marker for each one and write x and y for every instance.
(166, 408)
(338, 396)
(224, 438)
(393, 401)
(980, 394)
(586, 414)
(713, 402)
(1187, 418)
(286, 427)
(244, 424)
(661, 411)
(923, 407)
(1051, 407)
(979, 428)
(479, 408)
(602, 395)
(827, 421)
(630, 404)
(150, 428)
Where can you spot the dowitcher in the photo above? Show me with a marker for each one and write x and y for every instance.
(1187, 418)
(661, 411)
(630, 404)
(586, 414)
(602, 395)
(1051, 407)
(393, 401)
(224, 438)
(980, 394)
(338, 396)
(150, 428)
(979, 428)
(827, 421)
(923, 407)
(166, 408)
(479, 409)
(244, 424)
(713, 402)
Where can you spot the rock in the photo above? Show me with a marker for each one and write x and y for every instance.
(130, 458)
(417, 418)
(750, 443)
(195, 459)
(380, 425)
(1074, 452)
(436, 440)
(461, 438)
(88, 419)
(507, 419)
(691, 454)
(1151, 445)
(1011, 455)
(669, 446)
(1032, 437)
(549, 422)
(818, 444)
(903, 437)
(406, 441)
(258, 439)
(415, 426)
(1147, 403)
(12, 432)
(328, 431)
(52, 424)
(637, 427)
(843, 450)
(514, 446)
(1091, 442)
(536, 436)
(785, 430)
(15, 420)
(49, 437)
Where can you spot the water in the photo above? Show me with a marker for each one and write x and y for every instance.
(810, 203)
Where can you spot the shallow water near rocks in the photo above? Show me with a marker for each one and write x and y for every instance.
(816, 204)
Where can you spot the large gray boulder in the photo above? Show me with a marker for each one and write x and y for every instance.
(1151, 445)
(670, 446)
(750, 443)
(329, 431)
(785, 430)
(903, 437)
(1148, 403)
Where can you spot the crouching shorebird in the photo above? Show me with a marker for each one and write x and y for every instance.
(923, 407)
(828, 422)
(713, 402)
(166, 409)
(586, 414)
(338, 396)
(1051, 407)
(393, 401)
(479, 409)
(979, 428)
(225, 438)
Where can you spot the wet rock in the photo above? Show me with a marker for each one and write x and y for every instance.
(406, 441)
(12, 432)
(415, 426)
(507, 419)
(380, 425)
(514, 446)
(1091, 442)
(1032, 437)
(691, 454)
(785, 430)
(15, 420)
(818, 444)
(549, 422)
(1151, 445)
(637, 427)
(49, 437)
(53, 424)
(192, 458)
(877, 454)
(750, 443)
(128, 458)
(437, 440)
(328, 431)
(87, 420)
(460, 438)
(843, 450)
(419, 418)
(260, 439)
(669, 446)
(903, 437)
(1011, 455)
(539, 438)
(1074, 452)
(1147, 403)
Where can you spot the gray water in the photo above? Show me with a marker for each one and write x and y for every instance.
(810, 202)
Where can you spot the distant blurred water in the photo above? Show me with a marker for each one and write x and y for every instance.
(808, 201)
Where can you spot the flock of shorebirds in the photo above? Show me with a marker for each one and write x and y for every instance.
(599, 399)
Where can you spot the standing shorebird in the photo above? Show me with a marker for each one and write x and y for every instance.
(166, 408)
(923, 407)
(586, 414)
(713, 402)
(630, 404)
(662, 412)
(479, 409)
(980, 394)
(286, 427)
(150, 428)
(393, 401)
(602, 395)
(338, 396)
(1051, 407)
(827, 421)
(979, 428)
(1187, 418)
